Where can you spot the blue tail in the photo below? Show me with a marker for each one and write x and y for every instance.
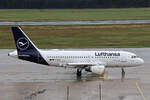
(25, 48)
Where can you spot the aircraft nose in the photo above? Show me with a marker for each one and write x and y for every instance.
(141, 61)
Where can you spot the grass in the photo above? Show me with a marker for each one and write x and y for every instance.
(73, 14)
(82, 36)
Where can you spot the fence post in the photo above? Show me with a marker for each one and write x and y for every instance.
(100, 91)
(67, 92)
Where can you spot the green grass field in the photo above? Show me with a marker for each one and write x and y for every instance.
(73, 14)
(85, 36)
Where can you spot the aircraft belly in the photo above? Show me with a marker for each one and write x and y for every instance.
(117, 63)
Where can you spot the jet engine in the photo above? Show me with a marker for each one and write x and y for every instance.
(96, 69)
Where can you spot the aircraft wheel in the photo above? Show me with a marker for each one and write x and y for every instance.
(79, 72)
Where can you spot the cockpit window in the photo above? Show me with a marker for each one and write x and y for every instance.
(134, 56)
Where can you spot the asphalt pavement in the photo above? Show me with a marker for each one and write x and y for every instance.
(22, 80)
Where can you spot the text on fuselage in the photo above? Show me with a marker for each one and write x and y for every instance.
(106, 54)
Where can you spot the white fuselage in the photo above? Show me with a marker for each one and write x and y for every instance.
(106, 58)
(91, 61)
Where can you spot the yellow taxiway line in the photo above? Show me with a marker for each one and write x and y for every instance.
(139, 89)
(105, 77)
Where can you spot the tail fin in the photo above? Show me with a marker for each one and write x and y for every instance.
(25, 48)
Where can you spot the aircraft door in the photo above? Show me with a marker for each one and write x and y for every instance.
(123, 60)
(90, 59)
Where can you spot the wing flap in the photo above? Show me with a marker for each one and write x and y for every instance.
(86, 64)
(80, 64)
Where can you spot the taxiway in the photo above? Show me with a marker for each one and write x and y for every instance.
(21, 80)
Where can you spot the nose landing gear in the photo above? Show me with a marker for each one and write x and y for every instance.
(79, 72)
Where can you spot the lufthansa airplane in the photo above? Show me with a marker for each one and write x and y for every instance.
(91, 61)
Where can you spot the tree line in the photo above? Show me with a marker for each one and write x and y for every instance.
(46, 4)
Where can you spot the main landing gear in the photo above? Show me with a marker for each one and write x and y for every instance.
(79, 72)
(123, 73)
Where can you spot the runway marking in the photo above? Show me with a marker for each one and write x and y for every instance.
(139, 89)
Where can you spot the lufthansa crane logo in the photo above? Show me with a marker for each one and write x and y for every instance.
(22, 43)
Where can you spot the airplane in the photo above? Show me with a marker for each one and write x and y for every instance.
(90, 61)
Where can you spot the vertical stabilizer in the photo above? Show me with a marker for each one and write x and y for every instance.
(25, 48)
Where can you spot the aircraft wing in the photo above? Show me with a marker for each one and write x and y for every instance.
(80, 64)
(85, 64)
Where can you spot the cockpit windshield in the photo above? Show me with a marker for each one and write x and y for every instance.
(134, 56)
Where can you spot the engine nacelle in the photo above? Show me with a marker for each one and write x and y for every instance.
(96, 69)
